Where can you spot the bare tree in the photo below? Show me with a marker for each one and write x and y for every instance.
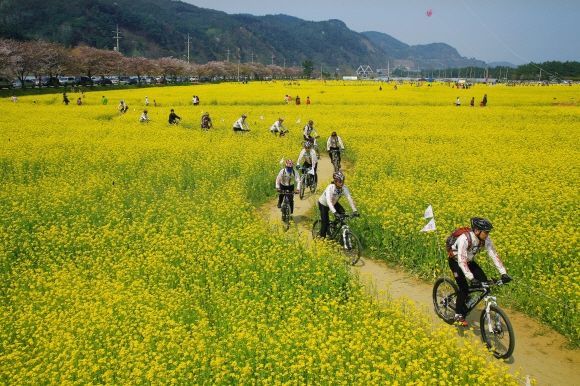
(91, 61)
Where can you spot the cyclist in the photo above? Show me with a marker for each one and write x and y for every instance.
(310, 135)
(206, 122)
(462, 261)
(308, 155)
(173, 118)
(334, 145)
(285, 183)
(241, 124)
(278, 127)
(328, 201)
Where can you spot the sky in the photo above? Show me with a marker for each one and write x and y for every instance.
(515, 31)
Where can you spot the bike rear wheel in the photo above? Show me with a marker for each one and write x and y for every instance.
(316, 229)
(352, 247)
(312, 184)
(444, 299)
(302, 187)
(497, 332)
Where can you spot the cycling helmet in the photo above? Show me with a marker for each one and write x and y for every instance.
(338, 176)
(481, 224)
(280, 119)
(244, 116)
(334, 134)
(310, 122)
(289, 163)
(307, 144)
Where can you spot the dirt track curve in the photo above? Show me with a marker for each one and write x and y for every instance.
(540, 352)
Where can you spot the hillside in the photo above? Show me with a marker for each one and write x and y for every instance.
(156, 28)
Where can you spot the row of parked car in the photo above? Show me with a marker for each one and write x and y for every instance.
(47, 81)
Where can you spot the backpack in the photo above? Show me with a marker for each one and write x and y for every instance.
(453, 238)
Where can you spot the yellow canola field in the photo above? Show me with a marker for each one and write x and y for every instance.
(130, 253)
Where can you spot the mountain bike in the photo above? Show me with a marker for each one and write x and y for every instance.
(496, 329)
(335, 158)
(339, 230)
(307, 180)
(285, 209)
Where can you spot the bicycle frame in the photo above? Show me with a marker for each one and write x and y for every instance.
(484, 293)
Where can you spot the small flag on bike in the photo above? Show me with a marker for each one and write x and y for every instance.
(428, 212)
(430, 226)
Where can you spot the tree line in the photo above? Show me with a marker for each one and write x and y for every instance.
(22, 59)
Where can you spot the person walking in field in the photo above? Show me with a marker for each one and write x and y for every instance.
(241, 124)
(462, 247)
(472, 102)
(328, 202)
(104, 100)
(483, 102)
(285, 183)
(146, 101)
(174, 118)
(65, 99)
(457, 102)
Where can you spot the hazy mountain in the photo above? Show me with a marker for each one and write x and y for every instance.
(156, 28)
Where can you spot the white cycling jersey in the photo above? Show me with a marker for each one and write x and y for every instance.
(334, 142)
(276, 127)
(332, 194)
(309, 157)
(463, 254)
(241, 124)
(287, 179)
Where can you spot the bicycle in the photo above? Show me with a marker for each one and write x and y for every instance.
(285, 209)
(496, 329)
(335, 158)
(307, 179)
(340, 231)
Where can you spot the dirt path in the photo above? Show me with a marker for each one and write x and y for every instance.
(540, 352)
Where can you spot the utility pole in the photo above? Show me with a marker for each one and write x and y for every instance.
(284, 63)
(540, 76)
(252, 56)
(188, 44)
(388, 70)
(228, 51)
(273, 56)
(117, 37)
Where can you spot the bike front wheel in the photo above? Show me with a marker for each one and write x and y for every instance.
(352, 247)
(444, 299)
(302, 183)
(497, 332)
(286, 216)
(312, 184)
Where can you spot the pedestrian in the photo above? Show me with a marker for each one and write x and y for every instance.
(14, 98)
(297, 100)
(206, 122)
(65, 99)
(241, 124)
(472, 102)
(104, 100)
(79, 101)
(457, 102)
(484, 101)
(146, 101)
(307, 100)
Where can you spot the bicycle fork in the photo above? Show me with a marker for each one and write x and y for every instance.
(489, 323)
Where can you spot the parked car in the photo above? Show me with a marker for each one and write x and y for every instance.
(66, 80)
(28, 83)
(83, 81)
(104, 82)
(5, 83)
(48, 81)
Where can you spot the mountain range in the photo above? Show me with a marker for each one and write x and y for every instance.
(157, 28)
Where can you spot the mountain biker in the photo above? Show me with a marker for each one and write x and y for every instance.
(278, 127)
(285, 183)
(462, 262)
(206, 122)
(308, 155)
(328, 201)
(334, 143)
(241, 124)
(173, 118)
(310, 135)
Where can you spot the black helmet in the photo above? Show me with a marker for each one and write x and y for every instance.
(481, 224)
